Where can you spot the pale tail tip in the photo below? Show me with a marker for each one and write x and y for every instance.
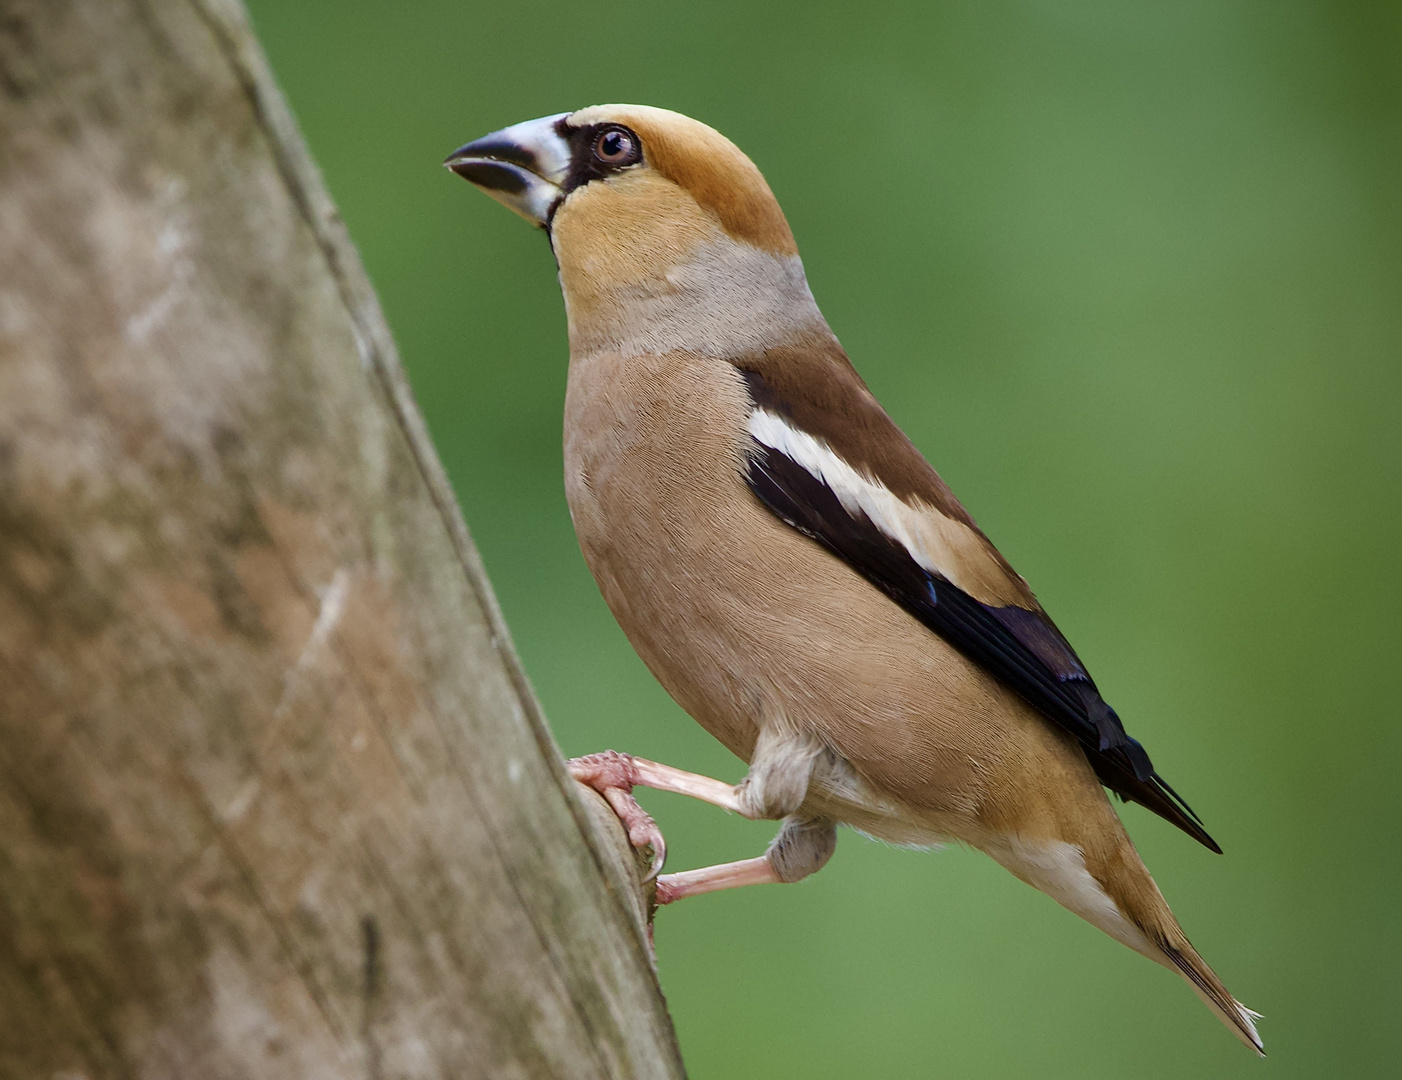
(1248, 1018)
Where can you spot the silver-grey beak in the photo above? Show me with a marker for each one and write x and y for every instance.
(523, 167)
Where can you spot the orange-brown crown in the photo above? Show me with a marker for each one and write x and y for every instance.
(707, 166)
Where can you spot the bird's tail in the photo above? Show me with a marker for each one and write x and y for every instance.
(1095, 872)
(1180, 956)
(1127, 882)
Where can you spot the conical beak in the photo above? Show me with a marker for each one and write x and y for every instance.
(523, 167)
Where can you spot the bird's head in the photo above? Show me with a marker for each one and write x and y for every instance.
(654, 218)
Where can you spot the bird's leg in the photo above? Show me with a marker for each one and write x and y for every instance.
(802, 847)
(610, 769)
(731, 875)
(775, 787)
(614, 776)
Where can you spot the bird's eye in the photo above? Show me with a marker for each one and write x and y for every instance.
(616, 147)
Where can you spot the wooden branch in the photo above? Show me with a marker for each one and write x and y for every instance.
(276, 799)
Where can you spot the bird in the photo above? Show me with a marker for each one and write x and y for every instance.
(788, 564)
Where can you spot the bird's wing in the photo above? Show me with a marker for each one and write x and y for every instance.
(852, 481)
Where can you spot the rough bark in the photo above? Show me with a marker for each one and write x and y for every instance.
(275, 798)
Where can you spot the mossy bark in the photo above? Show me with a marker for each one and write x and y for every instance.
(275, 798)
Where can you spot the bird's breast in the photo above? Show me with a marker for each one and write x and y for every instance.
(746, 621)
(655, 450)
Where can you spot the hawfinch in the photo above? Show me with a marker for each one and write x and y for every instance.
(786, 562)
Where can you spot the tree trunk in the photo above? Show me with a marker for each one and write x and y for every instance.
(275, 798)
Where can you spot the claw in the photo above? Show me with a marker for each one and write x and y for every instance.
(613, 775)
(642, 830)
(606, 769)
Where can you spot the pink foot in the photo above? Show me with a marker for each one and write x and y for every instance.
(614, 775)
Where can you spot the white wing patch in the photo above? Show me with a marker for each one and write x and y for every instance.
(936, 543)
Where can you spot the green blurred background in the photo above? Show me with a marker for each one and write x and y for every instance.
(1131, 276)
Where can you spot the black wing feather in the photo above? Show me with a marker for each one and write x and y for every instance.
(1022, 648)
